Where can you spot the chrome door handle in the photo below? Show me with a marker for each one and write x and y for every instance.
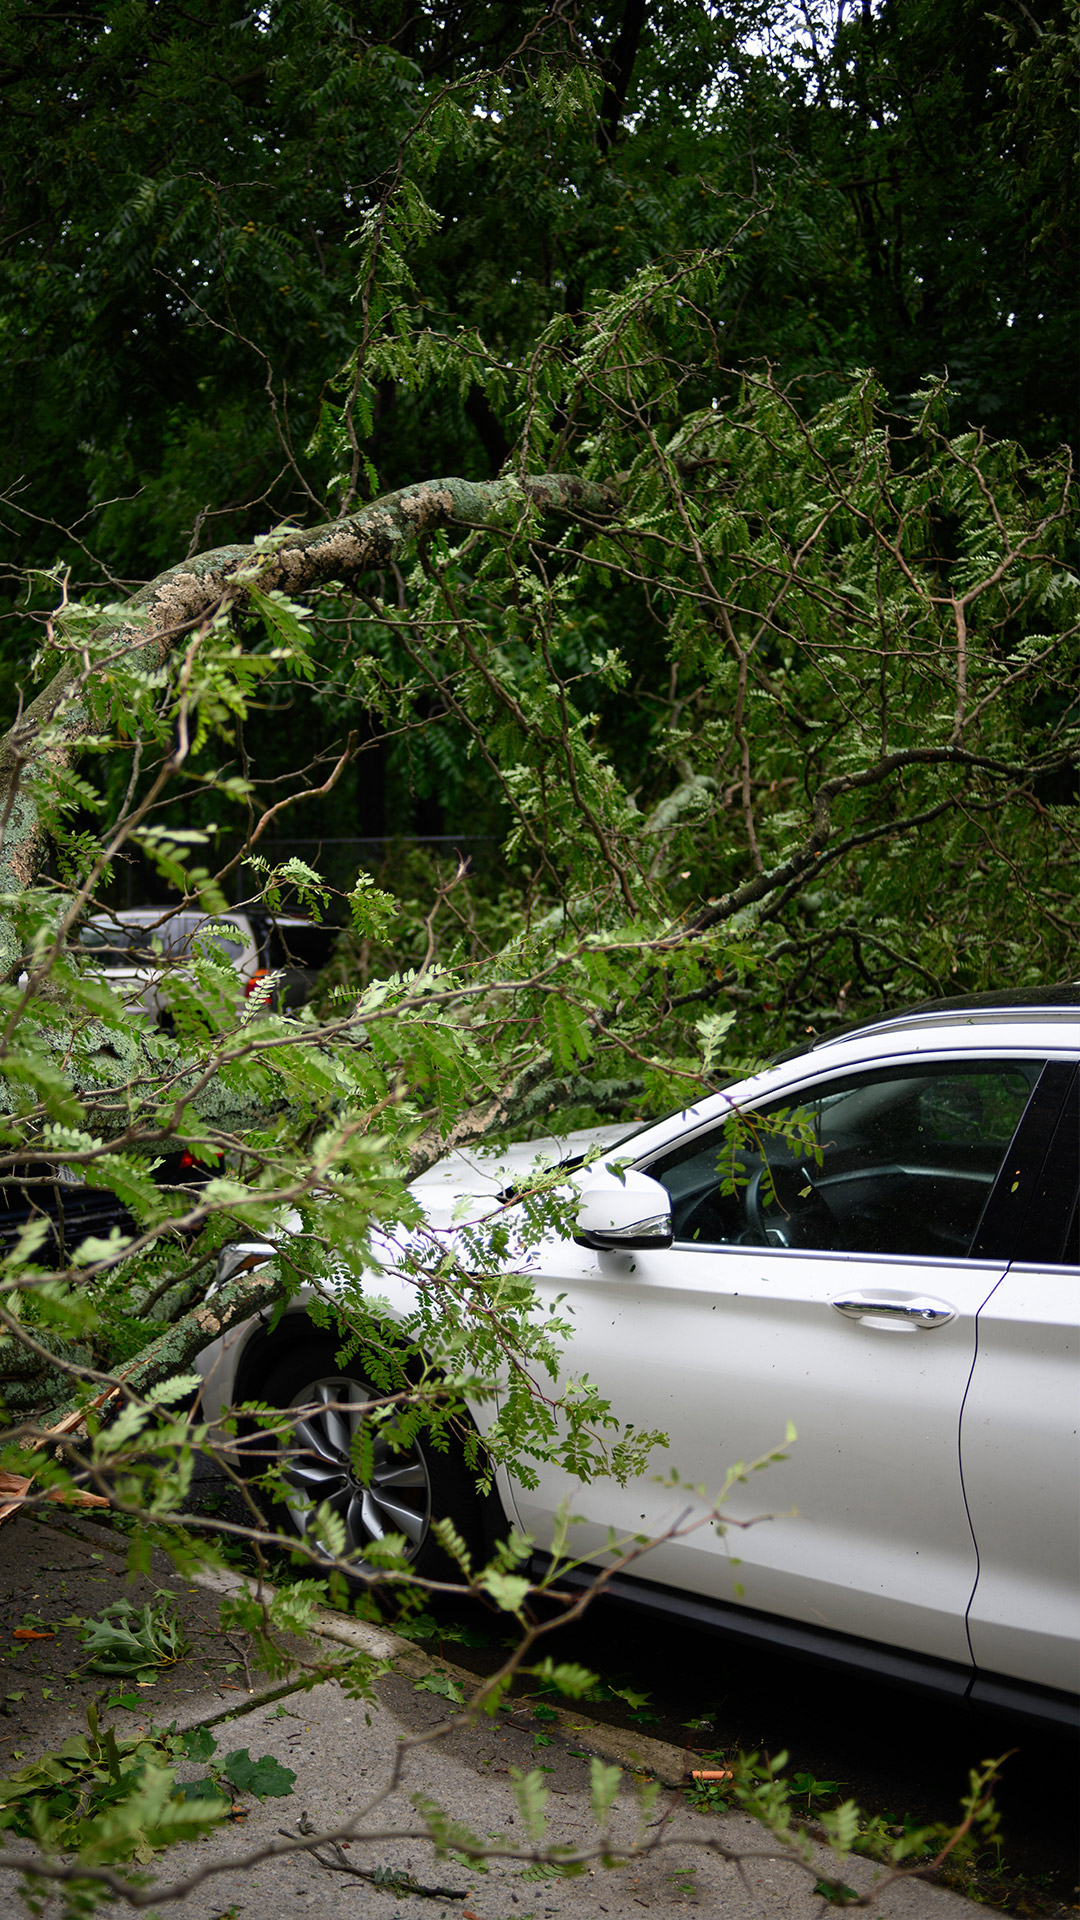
(914, 1312)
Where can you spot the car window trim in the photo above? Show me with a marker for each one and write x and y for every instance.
(933, 1261)
(1000, 1055)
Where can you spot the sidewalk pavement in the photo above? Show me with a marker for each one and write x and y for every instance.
(342, 1752)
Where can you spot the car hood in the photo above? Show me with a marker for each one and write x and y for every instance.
(483, 1172)
(477, 1174)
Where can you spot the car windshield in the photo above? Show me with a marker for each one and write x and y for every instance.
(117, 946)
(125, 943)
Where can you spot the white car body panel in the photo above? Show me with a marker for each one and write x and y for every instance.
(1022, 1478)
(671, 1336)
(720, 1347)
(484, 1172)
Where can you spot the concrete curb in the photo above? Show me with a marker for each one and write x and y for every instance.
(637, 1753)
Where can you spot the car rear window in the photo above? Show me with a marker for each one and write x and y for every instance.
(123, 943)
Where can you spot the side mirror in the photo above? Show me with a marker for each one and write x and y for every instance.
(618, 1215)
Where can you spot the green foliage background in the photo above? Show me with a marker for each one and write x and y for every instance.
(218, 222)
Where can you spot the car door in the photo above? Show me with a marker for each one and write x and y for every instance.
(1019, 1447)
(835, 1284)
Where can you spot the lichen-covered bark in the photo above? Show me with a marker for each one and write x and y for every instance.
(177, 601)
(34, 1389)
(182, 1342)
(113, 1069)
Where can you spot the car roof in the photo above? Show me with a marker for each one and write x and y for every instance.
(1014, 1004)
(149, 916)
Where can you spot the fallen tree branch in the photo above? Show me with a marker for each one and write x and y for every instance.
(188, 596)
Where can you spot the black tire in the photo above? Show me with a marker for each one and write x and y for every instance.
(407, 1490)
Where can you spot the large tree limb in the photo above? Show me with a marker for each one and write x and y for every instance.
(41, 1376)
(178, 601)
(106, 1062)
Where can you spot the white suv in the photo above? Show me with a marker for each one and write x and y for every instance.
(896, 1274)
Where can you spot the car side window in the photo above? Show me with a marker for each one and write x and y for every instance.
(894, 1160)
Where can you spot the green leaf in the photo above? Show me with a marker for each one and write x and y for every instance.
(199, 1744)
(508, 1590)
(632, 1699)
(842, 1825)
(568, 1036)
(205, 1789)
(180, 1387)
(604, 1784)
(531, 1794)
(443, 1684)
(129, 1640)
(836, 1892)
(573, 1680)
(266, 1778)
(451, 1540)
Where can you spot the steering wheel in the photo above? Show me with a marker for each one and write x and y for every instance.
(708, 1221)
(791, 1213)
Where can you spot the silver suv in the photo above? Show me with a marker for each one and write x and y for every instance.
(137, 947)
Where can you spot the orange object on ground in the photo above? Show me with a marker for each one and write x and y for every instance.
(14, 1487)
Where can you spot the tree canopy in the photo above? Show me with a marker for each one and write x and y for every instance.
(791, 653)
(187, 195)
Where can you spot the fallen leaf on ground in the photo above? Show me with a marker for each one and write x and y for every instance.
(31, 1633)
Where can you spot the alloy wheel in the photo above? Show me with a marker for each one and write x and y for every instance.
(397, 1495)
